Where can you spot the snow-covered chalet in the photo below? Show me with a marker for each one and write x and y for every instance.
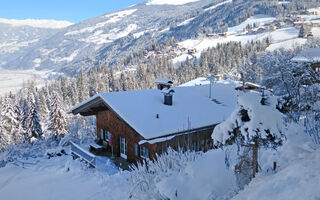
(143, 123)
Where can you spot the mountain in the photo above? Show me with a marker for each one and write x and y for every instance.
(17, 37)
(110, 38)
(105, 39)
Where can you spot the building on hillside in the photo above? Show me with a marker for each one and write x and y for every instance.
(248, 86)
(310, 57)
(223, 34)
(163, 83)
(144, 123)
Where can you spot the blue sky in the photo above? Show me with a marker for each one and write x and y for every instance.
(70, 10)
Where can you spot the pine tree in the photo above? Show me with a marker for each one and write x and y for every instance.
(12, 131)
(32, 120)
(57, 120)
(8, 121)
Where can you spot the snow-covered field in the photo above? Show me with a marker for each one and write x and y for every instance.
(13, 80)
(170, 2)
(260, 19)
(61, 178)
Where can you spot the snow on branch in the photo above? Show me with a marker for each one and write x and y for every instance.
(253, 118)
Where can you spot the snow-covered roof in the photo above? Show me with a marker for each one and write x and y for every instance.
(308, 55)
(196, 82)
(146, 113)
(163, 81)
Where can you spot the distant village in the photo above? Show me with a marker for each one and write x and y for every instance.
(295, 19)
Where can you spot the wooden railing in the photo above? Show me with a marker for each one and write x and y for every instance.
(83, 154)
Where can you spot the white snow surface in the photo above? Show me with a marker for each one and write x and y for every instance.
(217, 5)
(297, 175)
(190, 109)
(195, 82)
(13, 80)
(261, 19)
(38, 23)
(288, 44)
(115, 17)
(206, 178)
(169, 2)
(61, 178)
(308, 55)
(250, 101)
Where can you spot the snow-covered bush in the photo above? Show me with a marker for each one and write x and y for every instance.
(184, 175)
(255, 123)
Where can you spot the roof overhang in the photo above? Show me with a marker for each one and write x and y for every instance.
(91, 107)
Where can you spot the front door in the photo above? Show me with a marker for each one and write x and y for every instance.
(123, 147)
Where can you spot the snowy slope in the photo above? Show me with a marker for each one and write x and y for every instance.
(298, 173)
(169, 2)
(61, 178)
(13, 80)
(300, 180)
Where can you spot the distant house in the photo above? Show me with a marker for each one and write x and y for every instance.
(144, 123)
(212, 35)
(192, 51)
(248, 86)
(223, 34)
(310, 57)
(272, 28)
(288, 21)
(261, 29)
(280, 24)
(313, 12)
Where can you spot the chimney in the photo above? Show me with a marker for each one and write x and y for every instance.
(168, 97)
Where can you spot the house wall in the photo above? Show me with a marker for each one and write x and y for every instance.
(195, 141)
(109, 121)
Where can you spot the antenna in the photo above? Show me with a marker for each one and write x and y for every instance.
(211, 78)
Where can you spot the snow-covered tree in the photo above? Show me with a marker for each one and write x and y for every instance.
(57, 120)
(32, 120)
(10, 123)
(255, 123)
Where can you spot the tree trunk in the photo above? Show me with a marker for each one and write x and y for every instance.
(255, 158)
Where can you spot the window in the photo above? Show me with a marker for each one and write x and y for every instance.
(193, 146)
(136, 150)
(123, 147)
(144, 152)
(108, 136)
(101, 134)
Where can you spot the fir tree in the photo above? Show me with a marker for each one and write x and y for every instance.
(57, 119)
(32, 120)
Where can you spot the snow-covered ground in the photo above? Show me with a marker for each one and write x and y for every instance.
(61, 178)
(170, 2)
(13, 80)
(298, 173)
(257, 19)
(177, 175)
(300, 180)
(288, 45)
